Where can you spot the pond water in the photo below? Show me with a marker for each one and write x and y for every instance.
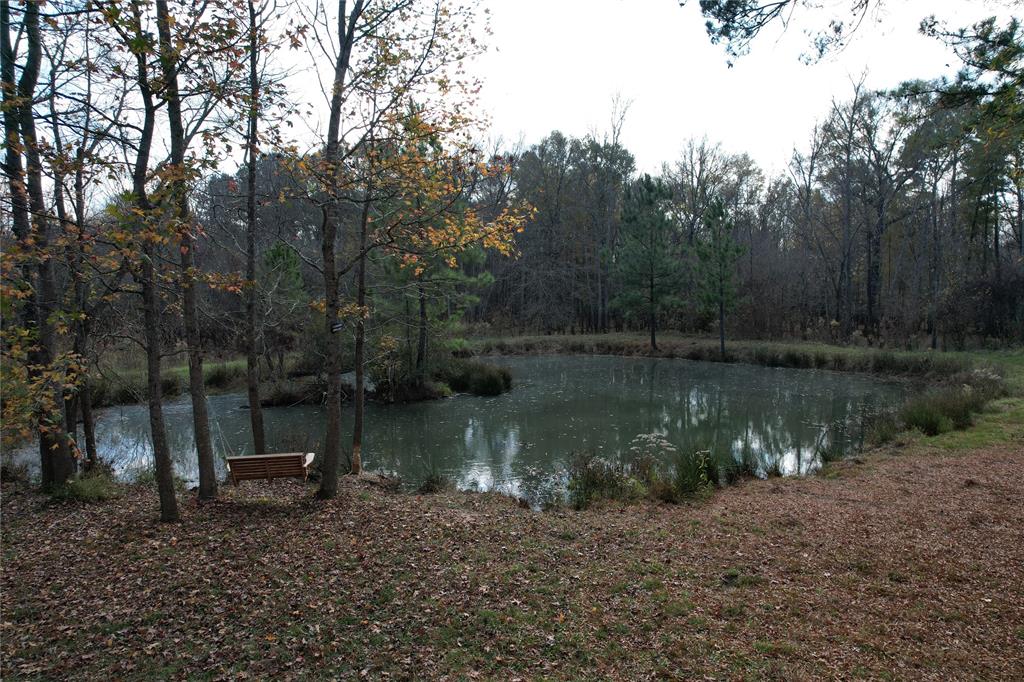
(521, 441)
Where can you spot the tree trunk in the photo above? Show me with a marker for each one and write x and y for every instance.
(252, 361)
(161, 451)
(57, 463)
(329, 231)
(88, 426)
(653, 313)
(721, 327)
(359, 399)
(421, 346)
(190, 315)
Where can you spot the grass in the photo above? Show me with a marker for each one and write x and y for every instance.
(126, 384)
(89, 489)
(592, 479)
(802, 355)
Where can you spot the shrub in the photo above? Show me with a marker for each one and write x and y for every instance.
(126, 392)
(478, 378)
(592, 478)
(289, 393)
(690, 474)
(881, 428)
(93, 488)
(954, 405)
(794, 358)
(435, 482)
(923, 413)
(224, 375)
(12, 471)
(170, 385)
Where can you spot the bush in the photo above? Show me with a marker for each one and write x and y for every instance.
(954, 405)
(93, 488)
(223, 375)
(592, 478)
(170, 385)
(289, 393)
(924, 414)
(434, 483)
(690, 475)
(478, 378)
(881, 428)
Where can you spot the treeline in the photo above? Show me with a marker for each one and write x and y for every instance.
(901, 223)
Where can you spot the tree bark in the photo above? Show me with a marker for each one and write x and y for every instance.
(329, 231)
(190, 315)
(359, 400)
(161, 451)
(56, 460)
(252, 361)
(721, 326)
(147, 277)
(421, 345)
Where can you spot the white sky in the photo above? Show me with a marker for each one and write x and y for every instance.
(556, 64)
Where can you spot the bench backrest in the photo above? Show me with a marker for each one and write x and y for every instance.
(283, 465)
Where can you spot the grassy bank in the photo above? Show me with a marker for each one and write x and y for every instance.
(801, 355)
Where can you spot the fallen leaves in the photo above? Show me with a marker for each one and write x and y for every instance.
(878, 574)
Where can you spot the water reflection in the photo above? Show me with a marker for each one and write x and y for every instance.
(520, 441)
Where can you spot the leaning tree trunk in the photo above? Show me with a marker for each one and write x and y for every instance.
(190, 315)
(158, 431)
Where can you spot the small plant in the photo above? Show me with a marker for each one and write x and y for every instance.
(434, 483)
(881, 428)
(592, 478)
(690, 475)
(92, 488)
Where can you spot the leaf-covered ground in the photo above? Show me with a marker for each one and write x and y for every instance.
(908, 565)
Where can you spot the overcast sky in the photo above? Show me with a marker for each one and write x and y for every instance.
(556, 64)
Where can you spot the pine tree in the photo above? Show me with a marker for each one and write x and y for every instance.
(717, 254)
(648, 268)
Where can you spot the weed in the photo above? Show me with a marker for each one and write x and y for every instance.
(94, 488)
(435, 482)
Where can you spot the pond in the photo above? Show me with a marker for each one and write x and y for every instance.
(521, 442)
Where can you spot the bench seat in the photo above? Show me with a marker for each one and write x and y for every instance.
(278, 465)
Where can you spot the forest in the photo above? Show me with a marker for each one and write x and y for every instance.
(180, 217)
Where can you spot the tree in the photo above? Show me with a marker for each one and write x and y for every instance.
(717, 255)
(34, 232)
(648, 268)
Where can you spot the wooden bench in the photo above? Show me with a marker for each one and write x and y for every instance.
(281, 465)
